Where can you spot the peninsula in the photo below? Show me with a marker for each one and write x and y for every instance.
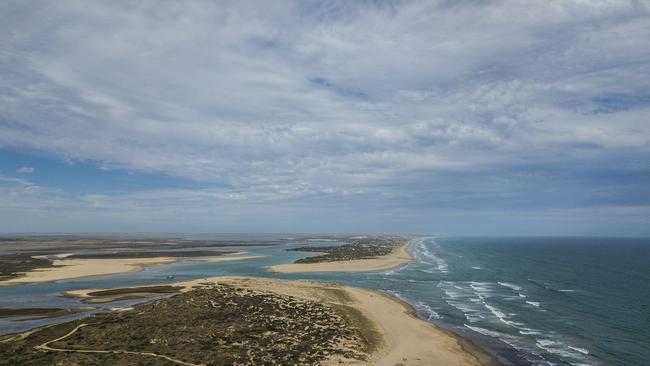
(248, 321)
(364, 254)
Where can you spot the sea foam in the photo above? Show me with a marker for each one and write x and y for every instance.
(440, 263)
(510, 286)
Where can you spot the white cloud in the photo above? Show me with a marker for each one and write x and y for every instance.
(25, 170)
(291, 99)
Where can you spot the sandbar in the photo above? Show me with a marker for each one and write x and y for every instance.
(63, 268)
(238, 256)
(101, 296)
(74, 268)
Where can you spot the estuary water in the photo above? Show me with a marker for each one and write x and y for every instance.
(529, 301)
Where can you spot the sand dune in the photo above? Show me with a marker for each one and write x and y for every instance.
(405, 339)
(400, 337)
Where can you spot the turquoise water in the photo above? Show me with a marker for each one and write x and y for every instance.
(539, 301)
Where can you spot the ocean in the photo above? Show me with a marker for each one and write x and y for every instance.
(529, 301)
(553, 301)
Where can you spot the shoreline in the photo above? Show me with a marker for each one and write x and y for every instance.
(66, 269)
(238, 256)
(401, 337)
(399, 257)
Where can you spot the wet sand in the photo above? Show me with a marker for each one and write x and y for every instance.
(239, 256)
(75, 268)
(397, 258)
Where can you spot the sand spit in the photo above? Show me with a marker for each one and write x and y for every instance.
(101, 296)
(399, 337)
(64, 269)
(239, 256)
(397, 258)
(74, 268)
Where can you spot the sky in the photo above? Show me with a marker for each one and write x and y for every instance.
(433, 117)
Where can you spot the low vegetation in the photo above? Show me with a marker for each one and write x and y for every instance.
(356, 248)
(12, 264)
(209, 325)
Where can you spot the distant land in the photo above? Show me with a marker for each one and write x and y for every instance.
(221, 320)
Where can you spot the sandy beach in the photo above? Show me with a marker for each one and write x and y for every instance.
(401, 338)
(75, 268)
(397, 258)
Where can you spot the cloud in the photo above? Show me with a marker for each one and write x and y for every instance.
(300, 99)
(25, 170)
(27, 207)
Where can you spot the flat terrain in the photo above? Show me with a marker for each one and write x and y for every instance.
(38, 312)
(30, 259)
(360, 255)
(361, 248)
(66, 243)
(12, 265)
(151, 254)
(125, 293)
(61, 269)
(43, 267)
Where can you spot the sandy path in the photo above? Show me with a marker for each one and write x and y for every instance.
(397, 258)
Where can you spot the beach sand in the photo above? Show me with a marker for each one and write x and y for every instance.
(239, 256)
(397, 258)
(399, 337)
(404, 338)
(75, 268)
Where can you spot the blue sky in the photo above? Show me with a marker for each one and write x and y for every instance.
(458, 118)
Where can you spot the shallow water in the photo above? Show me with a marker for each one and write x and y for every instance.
(541, 301)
